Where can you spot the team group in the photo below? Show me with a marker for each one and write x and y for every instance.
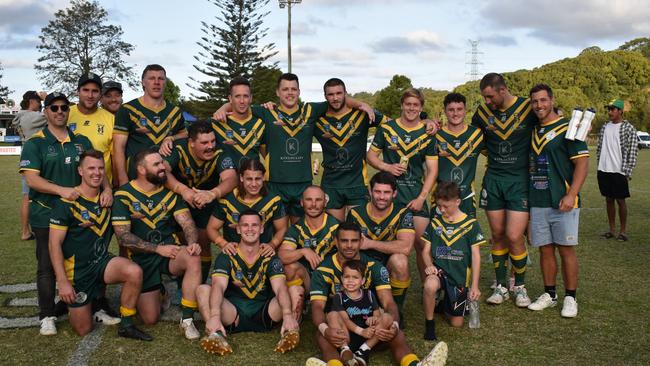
(243, 181)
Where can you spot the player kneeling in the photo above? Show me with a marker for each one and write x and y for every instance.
(248, 293)
(451, 253)
(80, 232)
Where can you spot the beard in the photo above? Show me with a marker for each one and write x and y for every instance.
(156, 179)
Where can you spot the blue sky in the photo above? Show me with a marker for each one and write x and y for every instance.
(364, 42)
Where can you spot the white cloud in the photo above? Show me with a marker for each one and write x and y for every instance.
(413, 42)
(573, 22)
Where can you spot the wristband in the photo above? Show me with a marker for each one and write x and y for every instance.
(322, 327)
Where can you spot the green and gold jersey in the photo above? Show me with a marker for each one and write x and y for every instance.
(150, 214)
(507, 138)
(451, 246)
(240, 138)
(88, 233)
(196, 173)
(343, 140)
(326, 279)
(98, 127)
(288, 138)
(249, 284)
(54, 160)
(398, 219)
(147, 126)
(229, 207)
(551, 166)
(457, 157)
(412, 146)
(320, 240)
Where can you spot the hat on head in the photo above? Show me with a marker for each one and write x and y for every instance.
(56, 96)
(111, 85)
(616, 103)
(31, 94)
(89, 78)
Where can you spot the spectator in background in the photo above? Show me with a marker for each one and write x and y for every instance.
(616, 155)
(27, 122)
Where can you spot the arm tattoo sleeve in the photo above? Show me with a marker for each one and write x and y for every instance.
(131, 241)
(184, 219)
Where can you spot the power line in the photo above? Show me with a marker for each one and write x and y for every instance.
(474, 72)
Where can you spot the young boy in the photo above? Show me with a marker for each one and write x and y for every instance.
(357, 311)
(452, 258)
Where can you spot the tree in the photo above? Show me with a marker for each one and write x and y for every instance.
(78, 41)
(172, 93)
(232, 49)
(388, 99)
(639, 44)
(4, 91)
(264, 83)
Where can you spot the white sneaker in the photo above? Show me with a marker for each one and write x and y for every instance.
(188, 329)
(499, 296)
(437, 356)
(511, 284)
(543, 302)
(101, 316)
(313, 361)
(570, 307)
(48, 327)
(521, 296)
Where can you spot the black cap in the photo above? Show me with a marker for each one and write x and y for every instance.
(31, 94)
(56, 96)
(111, 85)
(89, 78)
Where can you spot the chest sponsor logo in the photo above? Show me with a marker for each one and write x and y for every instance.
(505, 149)
(292, 146)
(342, 155)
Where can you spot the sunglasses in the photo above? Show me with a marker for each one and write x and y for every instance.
(55, 108)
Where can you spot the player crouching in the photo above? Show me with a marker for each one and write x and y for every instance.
(248, 293)
(80, 232)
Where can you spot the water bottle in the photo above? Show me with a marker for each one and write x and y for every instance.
(474, 315)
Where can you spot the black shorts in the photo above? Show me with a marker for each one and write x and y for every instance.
(454, 302)
(260, 321)
(613, 185)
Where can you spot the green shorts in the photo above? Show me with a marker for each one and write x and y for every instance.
(290, 193)
(202, 216)
(341, 197)
(90, 280)
(153, 266)
(252, 316)
(499, 195)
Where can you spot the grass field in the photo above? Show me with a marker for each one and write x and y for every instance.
(612, 327)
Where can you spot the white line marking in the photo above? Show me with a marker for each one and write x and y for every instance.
(87, 346)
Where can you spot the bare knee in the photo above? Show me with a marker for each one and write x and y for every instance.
(385, 320)
(133, 273)
(399, 266)
(82, 328)
(431, 285)
(456, 321)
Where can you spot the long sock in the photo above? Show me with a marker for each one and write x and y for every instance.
(571, 293)
(409, 360)
(188, 308)
(519, 265)
(551, 291)
(430, 330)
(205, 267)
(126, 315)
(500, 260)
(399, 291)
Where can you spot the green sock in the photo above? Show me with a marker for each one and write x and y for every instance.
(500, 260)
(398, 288)
(519, 265)
(126, 321)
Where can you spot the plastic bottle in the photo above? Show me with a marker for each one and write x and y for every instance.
(474, 315)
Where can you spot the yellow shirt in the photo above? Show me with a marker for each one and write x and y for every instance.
(98, 128)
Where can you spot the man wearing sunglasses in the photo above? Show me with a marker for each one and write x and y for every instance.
(49, 163)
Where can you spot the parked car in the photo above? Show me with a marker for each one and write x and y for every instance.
(644, 139)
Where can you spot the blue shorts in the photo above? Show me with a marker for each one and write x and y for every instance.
(550, 226)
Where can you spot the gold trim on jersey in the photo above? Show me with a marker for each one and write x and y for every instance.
(410, 149)
(505, 129)
(99, 222)
(327, 238)
(68, 264)
(156, 133)
(292, 127)
(392, 223)
(208, 167)
(253, 283)
(243, 144)
(166, 203)
(458, 156)
(459, 232)
(342, 135)
(539, 142)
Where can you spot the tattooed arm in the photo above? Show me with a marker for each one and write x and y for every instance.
(184, 219)
(129, 240)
